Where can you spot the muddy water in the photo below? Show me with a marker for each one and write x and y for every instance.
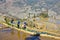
(12, 34)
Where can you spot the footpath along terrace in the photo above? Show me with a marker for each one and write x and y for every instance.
(33, 30)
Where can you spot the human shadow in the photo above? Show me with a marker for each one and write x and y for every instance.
(34, 37)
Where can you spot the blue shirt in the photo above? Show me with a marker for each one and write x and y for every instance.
(18, 23)
(25, 23)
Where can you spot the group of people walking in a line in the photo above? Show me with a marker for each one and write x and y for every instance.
(18, 23)
(32, 37)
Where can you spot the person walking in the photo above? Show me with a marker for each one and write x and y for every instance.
(5, 19)
(25, 25)
(18, 24)
(12, 21)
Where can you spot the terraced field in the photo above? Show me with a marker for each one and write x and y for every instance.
(7, 32)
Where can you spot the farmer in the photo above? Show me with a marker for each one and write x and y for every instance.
(18, 24)
(25, 25)
(12, 21)
(5, 19)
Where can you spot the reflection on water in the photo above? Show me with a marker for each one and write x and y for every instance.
(33, 37)
(12, 31)
(18, 35)
(12, 34)
(6, 30)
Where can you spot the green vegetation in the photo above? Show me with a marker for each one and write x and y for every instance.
(44, 15)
